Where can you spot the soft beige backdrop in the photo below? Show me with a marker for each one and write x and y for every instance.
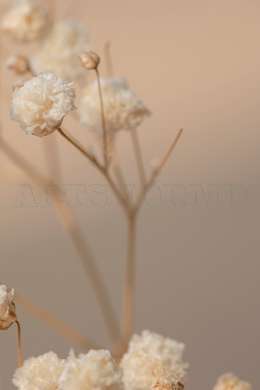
(196, 64)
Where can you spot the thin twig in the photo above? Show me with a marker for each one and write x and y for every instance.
(157, 171)
(129, 296)
(138, 157)
(20, 359)
(105, 173)
(103, 119)
(64, 330)
(68, 220)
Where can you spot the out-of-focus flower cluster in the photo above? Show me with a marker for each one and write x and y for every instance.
(231, 382)
(152, 362)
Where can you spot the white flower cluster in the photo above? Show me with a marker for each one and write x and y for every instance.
(94, 371)
(40, 105)
(123, 109)
(60, 51)
(231, 382)
(27, 20)
(7, 307)
(152, 362)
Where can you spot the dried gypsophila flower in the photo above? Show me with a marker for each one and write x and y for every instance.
(7, 307)
(40, 105)
(27, 20)
(94, 371)
(123, 109)
(153, 361)
(231, 382)
(41, 373)
(60, 51)
(90, 60)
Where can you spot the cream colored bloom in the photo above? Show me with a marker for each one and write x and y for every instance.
(94, 371)
(60, 51)
(231, 382)
(123, 109)
(40, 373)
(27, 20)
(153, 362)
(7, 307)
(40, 105)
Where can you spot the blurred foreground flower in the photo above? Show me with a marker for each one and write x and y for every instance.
(40, 105)
(231, 382)
(60, 51)
(41, 373)
(27, 20)
(94, 371)
(7, 307)
(153, 362)
(123, 109)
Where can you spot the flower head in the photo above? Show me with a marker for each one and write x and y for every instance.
(41, 373)
(90, 60)
(153, 362)
(60, 51)
(40, 105)
(7, 307)
(94, 371)
(231, 382)
(123, 109)
(27, 20)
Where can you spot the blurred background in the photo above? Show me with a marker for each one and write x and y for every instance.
(196, 66)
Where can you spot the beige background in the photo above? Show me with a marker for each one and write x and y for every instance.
(196, 65)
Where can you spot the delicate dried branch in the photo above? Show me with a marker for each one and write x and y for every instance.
(20, 358)
(102, 169)
(68, 220)
(128, 303)
(157, 171)
(103, 119)
(139, 158)
(64, 330)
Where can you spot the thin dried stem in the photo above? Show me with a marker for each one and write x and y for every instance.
(20, 358)
(108, 59)
(129, 296)
(61, 328)
(103, 119)
(68, 220)
(120, 176)
(157, 171)
(105, 173)
(138, 157)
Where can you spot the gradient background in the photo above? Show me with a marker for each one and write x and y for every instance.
(196, 65)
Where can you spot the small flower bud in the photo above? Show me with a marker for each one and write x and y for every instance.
(18, 64)
(90, 60)
(7, 307)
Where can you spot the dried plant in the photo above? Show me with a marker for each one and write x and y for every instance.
(53, 72)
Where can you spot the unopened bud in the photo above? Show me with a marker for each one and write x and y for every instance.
(90, 60)
(7, 307)
(18, 64)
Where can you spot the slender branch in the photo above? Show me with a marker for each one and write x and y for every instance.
(67, 332)
(128, 304)
(68, 220)
(20, 359)
(157, 171)
(120, 197)
(138, 157)
(103, 119)
(120, 176)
